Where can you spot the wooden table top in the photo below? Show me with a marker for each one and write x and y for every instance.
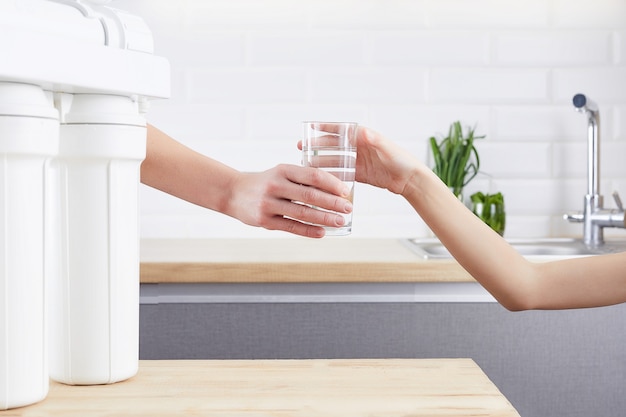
(285, 388)
(341, 259)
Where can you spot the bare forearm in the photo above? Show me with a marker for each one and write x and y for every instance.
(482, 252)
(515, 282)
(269, 199)
(177, 170)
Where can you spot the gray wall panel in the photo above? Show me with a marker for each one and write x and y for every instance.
(548, 363)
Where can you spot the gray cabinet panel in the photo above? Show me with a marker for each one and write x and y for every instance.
(548, 363)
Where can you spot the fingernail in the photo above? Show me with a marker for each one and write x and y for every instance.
(339, 220)
(348, 207)
(346, 191)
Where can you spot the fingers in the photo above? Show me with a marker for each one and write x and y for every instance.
(296, 227)
(311, 197)
(317, 179)
(302, 220)
(312, 215)
(308, 205)
(337, 199)
(305, 221)
(314, 197)
(299, 200)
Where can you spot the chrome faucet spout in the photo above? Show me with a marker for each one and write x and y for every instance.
(590, 109)
(582, 103)
(594, 217)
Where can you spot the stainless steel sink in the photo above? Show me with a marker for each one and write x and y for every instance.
(532, 248)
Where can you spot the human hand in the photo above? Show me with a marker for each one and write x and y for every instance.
(382, 163)
(279, 199)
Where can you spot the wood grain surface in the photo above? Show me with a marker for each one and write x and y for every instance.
(285, 388)
(290, 260)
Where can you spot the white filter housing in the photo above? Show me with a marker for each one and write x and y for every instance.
(28, 140)
(69, 244)
(94, 321)
(72, 47)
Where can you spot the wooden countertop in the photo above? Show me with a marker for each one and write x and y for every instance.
(286, 388)
(338, 259)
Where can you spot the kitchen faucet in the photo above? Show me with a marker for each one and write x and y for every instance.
(594, 217)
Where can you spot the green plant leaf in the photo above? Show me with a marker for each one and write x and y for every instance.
(490, 209)
(456, 159)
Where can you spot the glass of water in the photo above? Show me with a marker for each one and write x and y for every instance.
(331, 146)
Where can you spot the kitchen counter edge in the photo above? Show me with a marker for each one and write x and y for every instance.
(290, 260)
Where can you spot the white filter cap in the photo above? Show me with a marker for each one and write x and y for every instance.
(104, 109)
(17, 99)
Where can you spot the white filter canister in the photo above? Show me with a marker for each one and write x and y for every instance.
(94, 307)
(28, 140)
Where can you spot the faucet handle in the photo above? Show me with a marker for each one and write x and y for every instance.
(618, 201)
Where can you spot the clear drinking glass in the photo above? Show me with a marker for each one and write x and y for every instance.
(331, 146)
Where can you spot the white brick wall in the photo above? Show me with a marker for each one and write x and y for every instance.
(246, 72)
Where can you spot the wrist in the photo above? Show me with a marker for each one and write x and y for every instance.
(228, 203)
(414, 181)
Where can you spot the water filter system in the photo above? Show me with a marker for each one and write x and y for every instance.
(75, 80)
(94, 319)
(28, 139)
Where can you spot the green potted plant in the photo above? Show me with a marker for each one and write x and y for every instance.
(490, 209)
(456, 159)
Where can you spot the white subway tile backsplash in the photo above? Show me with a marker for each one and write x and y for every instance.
(252, 155)
(618, 185)
(613, 159)
(619, 122)
(206, 225)
(366, 14)
(569, 48)
(306, 50)
(572, 191)
(609, 124)
(389, 226)
(162, 227)
(515, 159)
(245, 73)
(420, 122)
(272, 121)
(220, 122)
(537, 122)
(620, 47)
(246, 86)
(528, 227)
(606, 85)
(373, 201)
(582, 14)
(485, 15)
(531, 196)
(488, 85)
(215, 51)
(570, 159)
(286, 120)
(204, 16)
(365, 85)
(429, 48)
(155, 202)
